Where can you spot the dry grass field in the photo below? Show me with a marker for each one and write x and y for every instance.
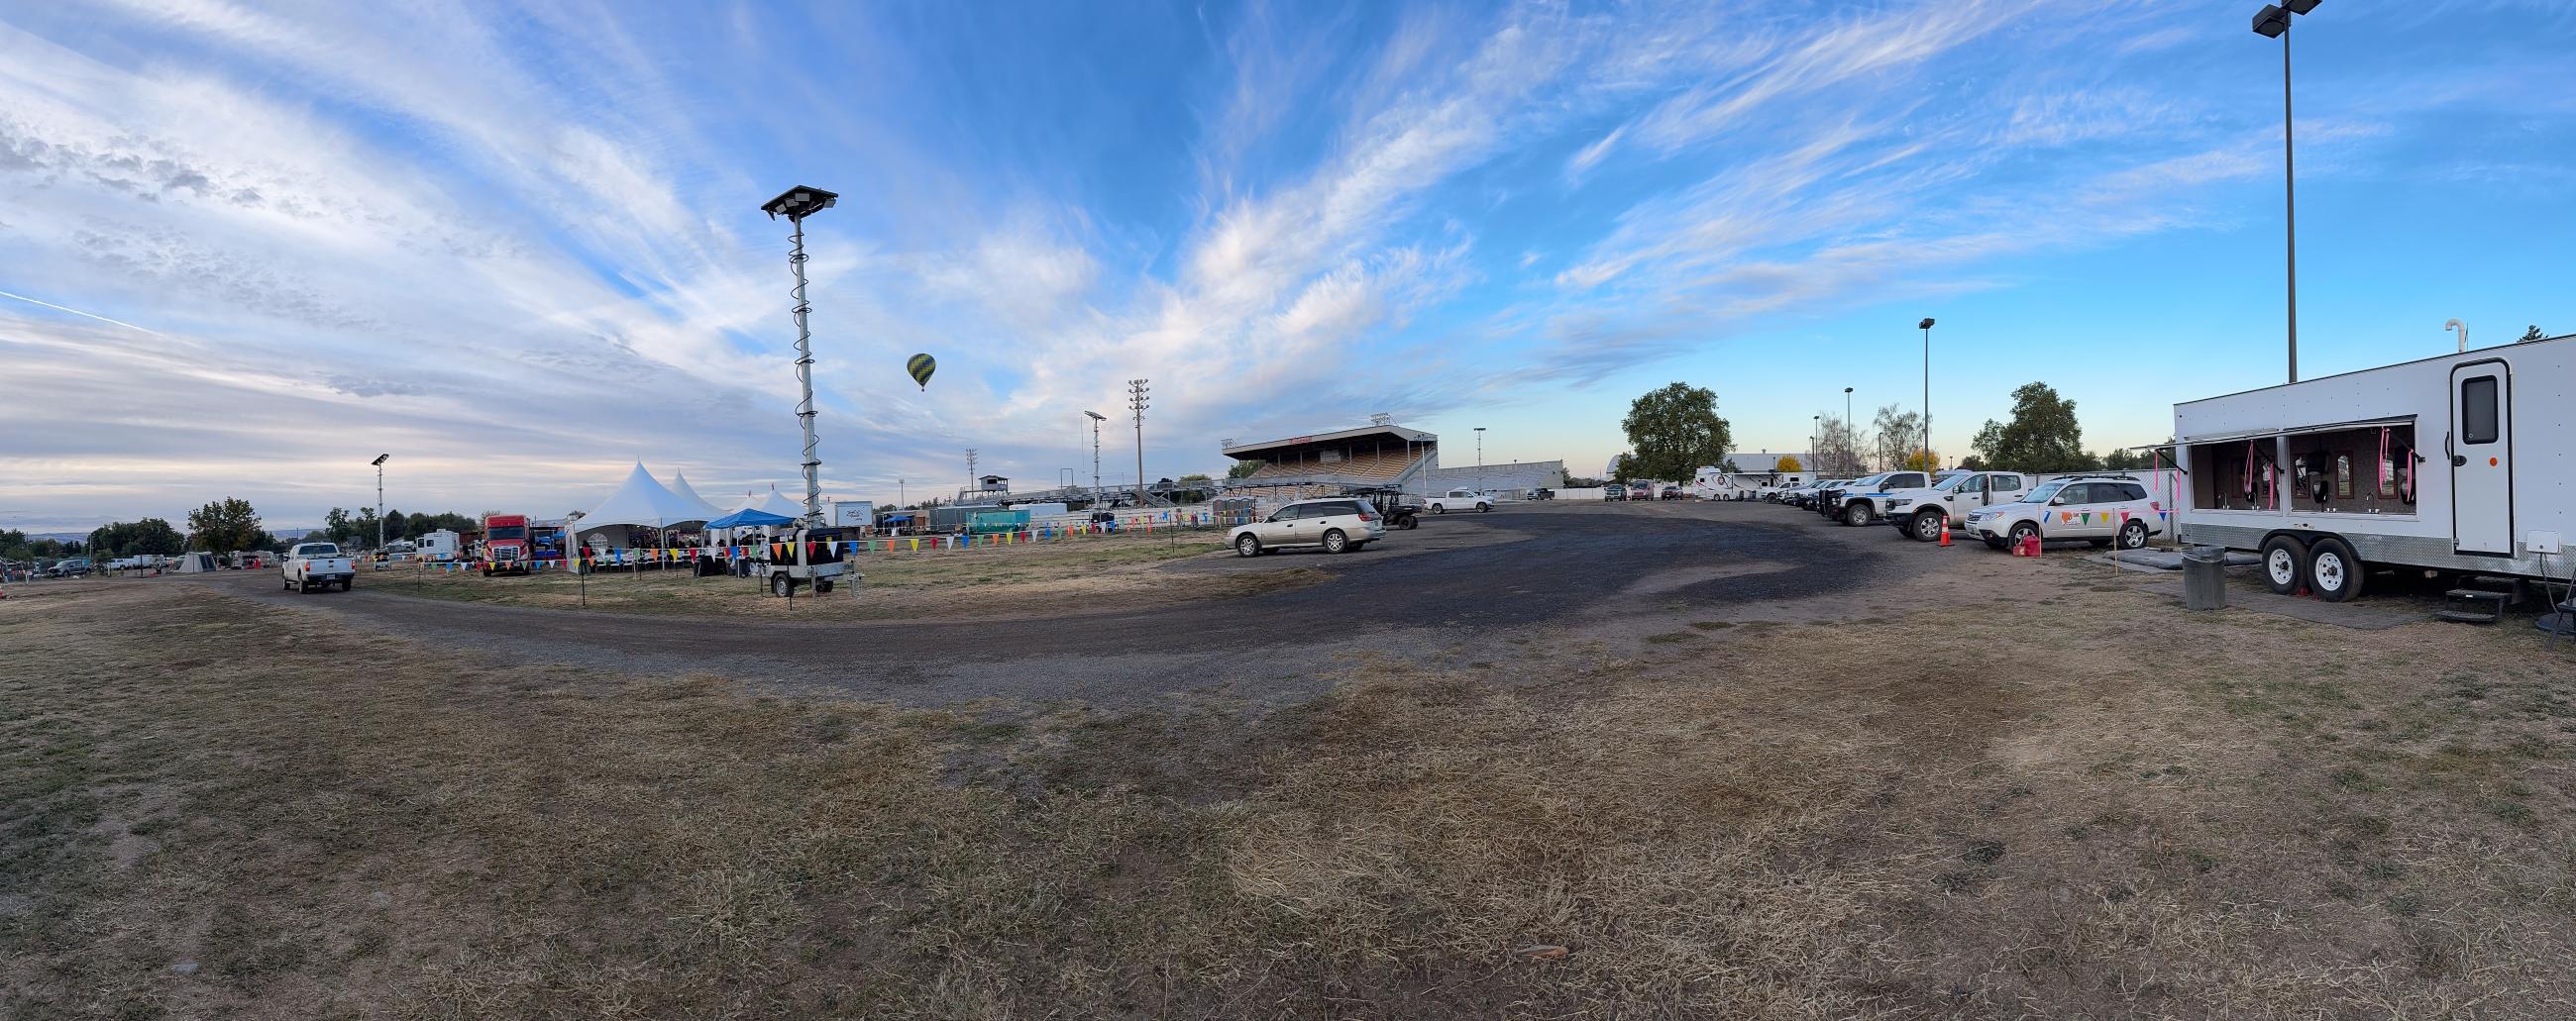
(2085, 805)
(1087, 573)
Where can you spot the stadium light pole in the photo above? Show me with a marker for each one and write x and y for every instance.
(2273, 22)
(1096, 419)
(1926, 326)
(1138, 400)
(1480, 459)
(971, 480)
(379, 462)
(796, 204)
(1847, 425)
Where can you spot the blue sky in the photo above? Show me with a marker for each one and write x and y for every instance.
(248, 247)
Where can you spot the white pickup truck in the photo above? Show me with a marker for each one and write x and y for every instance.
(312, 565)
(1919, 513)
(1459, 500)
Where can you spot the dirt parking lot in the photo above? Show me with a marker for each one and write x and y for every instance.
(1695, 761)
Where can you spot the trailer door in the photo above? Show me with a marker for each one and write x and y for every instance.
(2482, 458)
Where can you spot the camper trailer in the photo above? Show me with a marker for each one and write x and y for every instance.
(441, 545)
(2449, 464)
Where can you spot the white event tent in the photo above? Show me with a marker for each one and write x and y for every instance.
(639, 501)
(771, 503)
(680, 487)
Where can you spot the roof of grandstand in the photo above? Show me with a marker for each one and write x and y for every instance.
(1247, 451)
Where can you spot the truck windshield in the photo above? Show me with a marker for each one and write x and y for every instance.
(510, 532)
(320, 549)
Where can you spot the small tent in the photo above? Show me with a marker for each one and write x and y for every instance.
(194, 563)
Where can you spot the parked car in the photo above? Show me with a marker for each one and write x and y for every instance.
(1338, 525)
(1860, 503)
(2103, 509)
(1921, 513)
(1675, 493)
(1613, 493)
(70, 567)
(311, 565)
(1542, 493)
(1460, 499)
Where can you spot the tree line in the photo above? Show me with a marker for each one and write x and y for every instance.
(227, 525)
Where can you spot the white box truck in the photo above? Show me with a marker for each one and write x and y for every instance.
(2457, 464)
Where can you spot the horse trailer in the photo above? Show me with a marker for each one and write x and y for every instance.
(2456, 464)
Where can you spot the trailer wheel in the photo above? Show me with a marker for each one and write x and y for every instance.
(780, 586)
(2285, 563)
(2334, 574)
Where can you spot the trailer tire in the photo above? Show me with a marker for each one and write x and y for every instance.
(1927, 527)
(2285, 564)
(781, 586)
(2334, 574)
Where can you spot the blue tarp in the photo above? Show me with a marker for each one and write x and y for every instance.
(750, 518)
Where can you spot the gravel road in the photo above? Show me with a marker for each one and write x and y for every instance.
(1523, 566)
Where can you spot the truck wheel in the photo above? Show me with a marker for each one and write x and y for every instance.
(304, 588)
(2285, 563)
(1336, 542)
(2334, 574)
(2133, 535)
(1438, 509)
(1247, 545)
(2022, 532)
(1483, 507)
(780, 586)
(1856, 514)
(1927, 527)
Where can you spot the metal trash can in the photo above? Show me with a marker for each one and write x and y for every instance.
(2204, 578)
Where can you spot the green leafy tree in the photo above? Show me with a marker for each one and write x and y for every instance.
(2042, 436)
(1972, 463)
(1244, 468)
(2533, 334)
(2123, 460)
(226, 525)
(1674, 431)
(397, 526)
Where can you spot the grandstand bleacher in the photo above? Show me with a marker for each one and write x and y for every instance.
(1384, 455)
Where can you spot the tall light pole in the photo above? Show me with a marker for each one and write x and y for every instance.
(971, 480)
(1848, 434)
(796, 204)
(1138, 399)
(2273, 22)
(1096, 419)
(1815, 439)
(379, 462)
(1480, 459)
(1926, 326)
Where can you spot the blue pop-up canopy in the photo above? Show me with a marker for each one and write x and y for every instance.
(750, 518)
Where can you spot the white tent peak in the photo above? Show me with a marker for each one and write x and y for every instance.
(642, 501)
(772, 503)
(680, 487)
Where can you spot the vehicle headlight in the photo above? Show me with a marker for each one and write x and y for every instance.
(1894, 504)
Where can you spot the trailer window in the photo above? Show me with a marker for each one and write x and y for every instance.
(2478, 410)
(2343, 475)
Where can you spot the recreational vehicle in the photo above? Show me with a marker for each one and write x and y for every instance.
(2449, 464)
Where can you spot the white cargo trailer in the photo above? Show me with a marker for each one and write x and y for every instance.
(2459, 463)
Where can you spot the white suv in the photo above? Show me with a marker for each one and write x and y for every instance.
(1339, 525)
(1920, 513)
(2101, 508)
(1865, 500)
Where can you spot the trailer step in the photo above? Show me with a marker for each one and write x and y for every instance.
(2474, 606)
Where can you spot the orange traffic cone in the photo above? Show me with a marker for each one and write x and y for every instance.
(1945, 531)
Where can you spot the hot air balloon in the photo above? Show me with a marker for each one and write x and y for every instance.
(921, 366)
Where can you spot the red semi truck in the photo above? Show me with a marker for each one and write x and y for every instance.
(505, 544)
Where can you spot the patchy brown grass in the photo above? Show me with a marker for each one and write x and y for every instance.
(1091, 572)
(2087, 804)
